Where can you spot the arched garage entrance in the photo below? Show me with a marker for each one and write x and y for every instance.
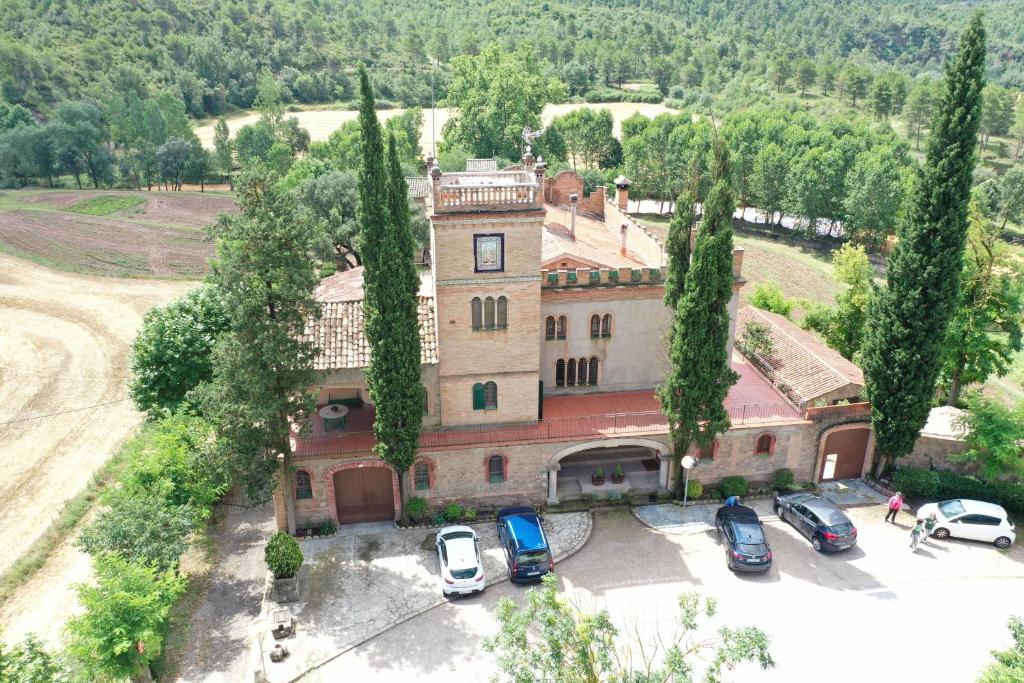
(643, 463)
(844, 452)
(362, 492)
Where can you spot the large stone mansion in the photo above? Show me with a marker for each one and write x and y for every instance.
(543, 332)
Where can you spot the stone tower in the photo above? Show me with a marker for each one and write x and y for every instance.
(486, 235)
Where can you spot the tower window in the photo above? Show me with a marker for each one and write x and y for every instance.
(502, 312)
(476, 307)
(489, 313)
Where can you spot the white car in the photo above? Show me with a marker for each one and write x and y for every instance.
(971, 519)
(458, 555)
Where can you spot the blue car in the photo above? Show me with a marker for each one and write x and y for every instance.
(522, 537)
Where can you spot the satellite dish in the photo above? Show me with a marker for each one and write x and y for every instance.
(688, 462)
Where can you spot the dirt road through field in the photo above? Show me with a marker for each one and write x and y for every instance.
(63, 347)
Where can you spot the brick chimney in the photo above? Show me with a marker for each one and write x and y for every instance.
(622, 193)
(573, 200)
(623, 231)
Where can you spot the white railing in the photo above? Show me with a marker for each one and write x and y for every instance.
(486, 192)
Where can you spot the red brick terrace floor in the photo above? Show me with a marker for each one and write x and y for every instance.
(751, 400)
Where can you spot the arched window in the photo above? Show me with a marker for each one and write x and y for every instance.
(560, 373)
(765, 445)
(595, 326)
(571, 373)
(496, 472)
(581, 372)
(563, 323)
(490, 396)
(502, 312)
(477, 308)
(549, 327)
(478, 396)
(303, 485)
(708, 453)
(606, 325)
(489, 313)
(421, 478)
(593, 370)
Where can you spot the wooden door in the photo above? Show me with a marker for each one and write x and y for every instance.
(364, 494)
(845, 451)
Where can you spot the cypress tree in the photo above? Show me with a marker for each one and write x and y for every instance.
(693, 395)
(908, 319)
(677, 249)
(390, 303)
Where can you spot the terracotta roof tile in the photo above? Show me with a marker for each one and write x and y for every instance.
(595, 242)
(419, 186)
(801, 360)
(339, 334)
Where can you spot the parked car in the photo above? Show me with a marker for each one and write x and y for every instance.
(522, 537)
(458, 555)
(827, 526)
(746, 548)
(973, 519)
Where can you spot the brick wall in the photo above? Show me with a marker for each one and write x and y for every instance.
(795, 448)
(565, 183)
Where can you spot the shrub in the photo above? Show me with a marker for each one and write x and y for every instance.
(943, 485)
(694, 489)
(283, 555)
(783, 479)
(416, 507)
(140, 530)
(437, 518)
(469, 514)
(767, 296)
(614, 497)
(733, 486)
(715, 494)
(452, 512)
(327, 527)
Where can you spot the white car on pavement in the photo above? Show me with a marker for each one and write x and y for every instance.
(458, 555)
(973, 519)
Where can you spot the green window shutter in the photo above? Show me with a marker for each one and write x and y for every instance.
(478, 397)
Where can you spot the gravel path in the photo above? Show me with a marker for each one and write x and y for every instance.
(219, 636)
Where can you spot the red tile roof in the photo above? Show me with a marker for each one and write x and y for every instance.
(801, 360)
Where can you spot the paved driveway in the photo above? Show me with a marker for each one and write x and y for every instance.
(878, 612)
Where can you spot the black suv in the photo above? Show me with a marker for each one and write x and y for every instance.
(746, 548)
(817, 519)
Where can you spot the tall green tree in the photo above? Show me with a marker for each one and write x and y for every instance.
(874, 192)
(223, 151)
(909, 318)
(844, 326)
(122, 629)
(494, 96)
(263, 367)
(550, 640)
(390, 301)
(993, 434)
(677, 249)
(985, 331)
(693, 395)
(806, 75)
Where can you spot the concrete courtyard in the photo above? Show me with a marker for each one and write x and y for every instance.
(877, 612)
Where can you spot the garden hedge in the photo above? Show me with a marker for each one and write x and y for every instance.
(942, 485)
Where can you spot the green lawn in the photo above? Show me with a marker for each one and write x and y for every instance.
(105, 205)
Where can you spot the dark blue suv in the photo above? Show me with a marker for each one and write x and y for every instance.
(526, 547)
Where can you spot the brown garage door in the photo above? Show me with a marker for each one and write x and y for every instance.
(364, 494)
(845, 451)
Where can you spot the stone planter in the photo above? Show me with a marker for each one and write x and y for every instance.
(286, 590)
(596, 480)
(618, 478)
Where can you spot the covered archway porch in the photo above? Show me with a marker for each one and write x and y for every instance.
(644, 464)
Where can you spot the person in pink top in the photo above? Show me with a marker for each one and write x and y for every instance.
(895, 504)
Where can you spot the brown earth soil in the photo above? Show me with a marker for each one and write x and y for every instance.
(64, 347)
(162, 237)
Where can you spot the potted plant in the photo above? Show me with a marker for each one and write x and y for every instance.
(597, 479)
(284, 558)
(618, 475)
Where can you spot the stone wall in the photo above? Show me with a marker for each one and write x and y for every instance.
(633, 357)
(934, 451)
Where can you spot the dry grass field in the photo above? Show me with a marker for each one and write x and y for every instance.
(322, 122)
(64, 359)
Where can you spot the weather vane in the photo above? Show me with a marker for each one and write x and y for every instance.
(531, 135)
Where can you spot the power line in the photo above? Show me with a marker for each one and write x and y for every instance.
(65, 412)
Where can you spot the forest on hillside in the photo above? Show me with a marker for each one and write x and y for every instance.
(700, 51)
